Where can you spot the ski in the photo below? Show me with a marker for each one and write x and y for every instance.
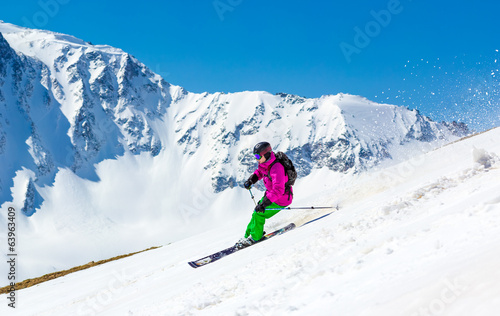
(221, 254)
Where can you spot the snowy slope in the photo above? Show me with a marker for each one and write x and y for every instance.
(417, 238)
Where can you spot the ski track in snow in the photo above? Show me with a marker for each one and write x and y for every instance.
(425, 245)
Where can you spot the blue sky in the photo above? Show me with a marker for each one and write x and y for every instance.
(436, 56)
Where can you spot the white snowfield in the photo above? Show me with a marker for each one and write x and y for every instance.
(418, 238)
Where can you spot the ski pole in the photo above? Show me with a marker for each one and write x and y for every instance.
(253, 198)
(303, 208)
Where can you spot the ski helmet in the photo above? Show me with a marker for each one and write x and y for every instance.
(262, 149)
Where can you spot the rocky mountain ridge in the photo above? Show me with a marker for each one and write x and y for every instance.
(65, 103)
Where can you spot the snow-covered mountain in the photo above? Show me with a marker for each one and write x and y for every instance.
(65, 103)
(342, 132)
(103, 157)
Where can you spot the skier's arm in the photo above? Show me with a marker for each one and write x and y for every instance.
(251, 181)
(259, 173)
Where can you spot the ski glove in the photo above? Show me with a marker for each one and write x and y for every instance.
(261, 207)
(252, 180)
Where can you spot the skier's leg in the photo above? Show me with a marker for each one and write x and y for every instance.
(250, 226)
(256, 226)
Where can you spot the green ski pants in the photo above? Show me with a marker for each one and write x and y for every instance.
(256, 226)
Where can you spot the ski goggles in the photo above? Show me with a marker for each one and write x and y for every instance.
(265, 151)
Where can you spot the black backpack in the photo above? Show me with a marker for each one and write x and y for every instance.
(283, 159)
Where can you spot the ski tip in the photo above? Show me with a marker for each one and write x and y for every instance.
(192, 264)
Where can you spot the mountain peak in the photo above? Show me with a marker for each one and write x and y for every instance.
(76, 104)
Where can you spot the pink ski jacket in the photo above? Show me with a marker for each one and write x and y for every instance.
(276, 185)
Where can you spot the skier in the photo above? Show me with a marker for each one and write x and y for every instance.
(276, 196)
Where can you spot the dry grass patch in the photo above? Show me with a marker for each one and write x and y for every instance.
(30, 282)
